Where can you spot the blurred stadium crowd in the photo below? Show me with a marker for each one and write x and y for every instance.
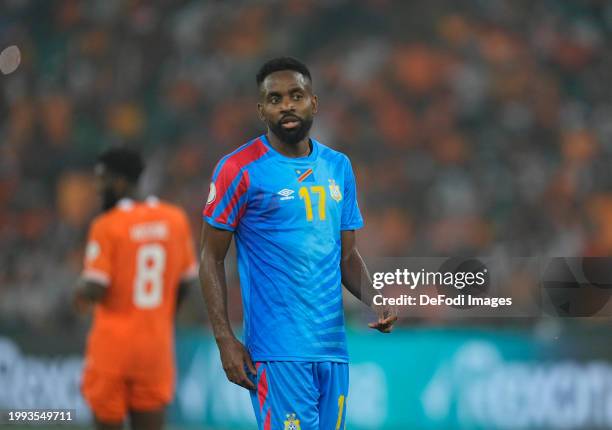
(480, 127)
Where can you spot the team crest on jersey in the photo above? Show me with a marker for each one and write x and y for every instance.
(212, 194)
(292, 423)
(334, 190)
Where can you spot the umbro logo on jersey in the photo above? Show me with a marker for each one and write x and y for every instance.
(286, 194)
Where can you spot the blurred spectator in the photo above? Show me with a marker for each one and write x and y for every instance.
(473, 126)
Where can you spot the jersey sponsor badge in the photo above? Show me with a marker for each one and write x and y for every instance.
(286, 194)
(334, 190)
(212, 193)
(292, 423)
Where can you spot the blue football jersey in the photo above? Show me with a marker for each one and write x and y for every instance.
(287, 215)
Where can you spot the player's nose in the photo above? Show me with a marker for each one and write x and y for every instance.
(287, 105)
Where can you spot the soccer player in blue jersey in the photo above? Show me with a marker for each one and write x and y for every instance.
(290, 202)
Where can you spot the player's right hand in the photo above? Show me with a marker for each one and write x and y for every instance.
(235, 359)
(387, 316)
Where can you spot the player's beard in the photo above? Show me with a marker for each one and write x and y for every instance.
(293, 136)
(109, 199)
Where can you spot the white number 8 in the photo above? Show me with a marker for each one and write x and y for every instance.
(150, 265)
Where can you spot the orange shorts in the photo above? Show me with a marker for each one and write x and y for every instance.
(110, 397)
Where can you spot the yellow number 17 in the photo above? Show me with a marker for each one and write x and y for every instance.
(305, 195)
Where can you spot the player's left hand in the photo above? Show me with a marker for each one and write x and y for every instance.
(81, 305)
(386, 319)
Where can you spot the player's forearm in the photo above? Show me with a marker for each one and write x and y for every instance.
(214, 289)
(89, 291)
(356, 278)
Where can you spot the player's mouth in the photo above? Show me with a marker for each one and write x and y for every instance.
(290, 122)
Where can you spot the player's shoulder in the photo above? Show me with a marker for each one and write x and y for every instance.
(130, 210)
(251, 152)
(114, 219)
(102, 221)
(331, 154)
(109, 218)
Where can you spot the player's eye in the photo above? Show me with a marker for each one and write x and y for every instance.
(297, 96)
(274, 100)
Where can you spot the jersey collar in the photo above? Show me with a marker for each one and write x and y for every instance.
(309, 158)
(125, 204)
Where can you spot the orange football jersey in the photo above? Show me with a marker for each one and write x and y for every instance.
(140, 251)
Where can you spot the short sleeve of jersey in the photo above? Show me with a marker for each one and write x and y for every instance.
(351, 216)
(189, 268)
(97, 266)
(227, 197)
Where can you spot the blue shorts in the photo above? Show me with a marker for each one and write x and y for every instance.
(300, 395)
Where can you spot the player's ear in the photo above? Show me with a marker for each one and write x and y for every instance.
(315, 104)
(260, 111)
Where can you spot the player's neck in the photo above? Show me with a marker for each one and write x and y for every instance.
(300, 149)
(130, 195)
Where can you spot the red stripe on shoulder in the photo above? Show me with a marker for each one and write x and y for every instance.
(231, 169)
(250, 153)
(242, 188)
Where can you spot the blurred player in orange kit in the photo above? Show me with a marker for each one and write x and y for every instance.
(139, 261)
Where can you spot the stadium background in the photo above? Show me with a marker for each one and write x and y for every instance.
(474, 127)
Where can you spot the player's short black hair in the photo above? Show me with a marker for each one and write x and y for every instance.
(279, 64)
(123, 161)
